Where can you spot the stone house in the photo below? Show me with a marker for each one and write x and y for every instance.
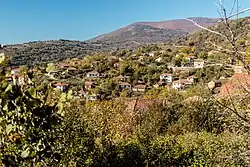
(159, 84)
(122, 78)
(124, 85)
(198, 63)
(61, 85)
(92, 97)
(180, 84)
(89, 85)
(139, 88)
(93, 74)
(166, 77)
(192, 79)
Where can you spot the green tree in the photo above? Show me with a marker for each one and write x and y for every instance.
(28, 128)
(50, 67)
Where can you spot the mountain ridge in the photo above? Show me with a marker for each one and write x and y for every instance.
(181, 25)
(130, 37)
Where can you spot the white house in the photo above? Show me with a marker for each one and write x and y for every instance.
(139, 88)
(238, 69)
(167, 77)
(92, 97)
(179, 84)
(192, 79)
(159, 60)
(199, 63)
(15, 71)
(62, 86)
(93, 74)
(152, 54)
(124, 85)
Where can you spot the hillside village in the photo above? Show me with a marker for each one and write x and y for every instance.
(170, 93)
(111, 75)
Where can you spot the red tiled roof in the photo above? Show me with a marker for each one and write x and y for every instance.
(72, 68)
(238, 83)
(192, 76)
(93, 72)
(161, 82)
(60, 84)
(140, 82)
(140, 86)
(124, 83)
(199, 60)
(89, 83)
(142, 104)
(166, 74)
(122, 77)
(82, 92)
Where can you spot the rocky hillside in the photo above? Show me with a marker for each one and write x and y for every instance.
(47, 51)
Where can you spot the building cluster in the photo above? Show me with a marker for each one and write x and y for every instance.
(93, 79)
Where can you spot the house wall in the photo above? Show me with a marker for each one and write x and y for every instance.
(62, 88)
(198, 64)
(167, 78)
(125, 86)
(93, 75)
(178, 86)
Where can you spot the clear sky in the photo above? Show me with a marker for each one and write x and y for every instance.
(30, 20)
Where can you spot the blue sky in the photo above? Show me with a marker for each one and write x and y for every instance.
(31, 20)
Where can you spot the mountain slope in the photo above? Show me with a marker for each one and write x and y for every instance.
(182, 24)
(205, 38)
(48, 51)
(138, 34)
(132, 36)
(152, 32)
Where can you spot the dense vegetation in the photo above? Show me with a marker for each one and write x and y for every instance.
(41, 125)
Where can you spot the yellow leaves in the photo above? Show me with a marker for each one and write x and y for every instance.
(25, 153)
(9, 129)
(248, 55)
(9, 88)
(14, 137)
(2, 57)
(32, 92)
(193, 49)
(51, 67)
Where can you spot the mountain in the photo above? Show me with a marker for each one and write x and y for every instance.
(183, 24)
(138, 35)
(130, 37)
(142, 33)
